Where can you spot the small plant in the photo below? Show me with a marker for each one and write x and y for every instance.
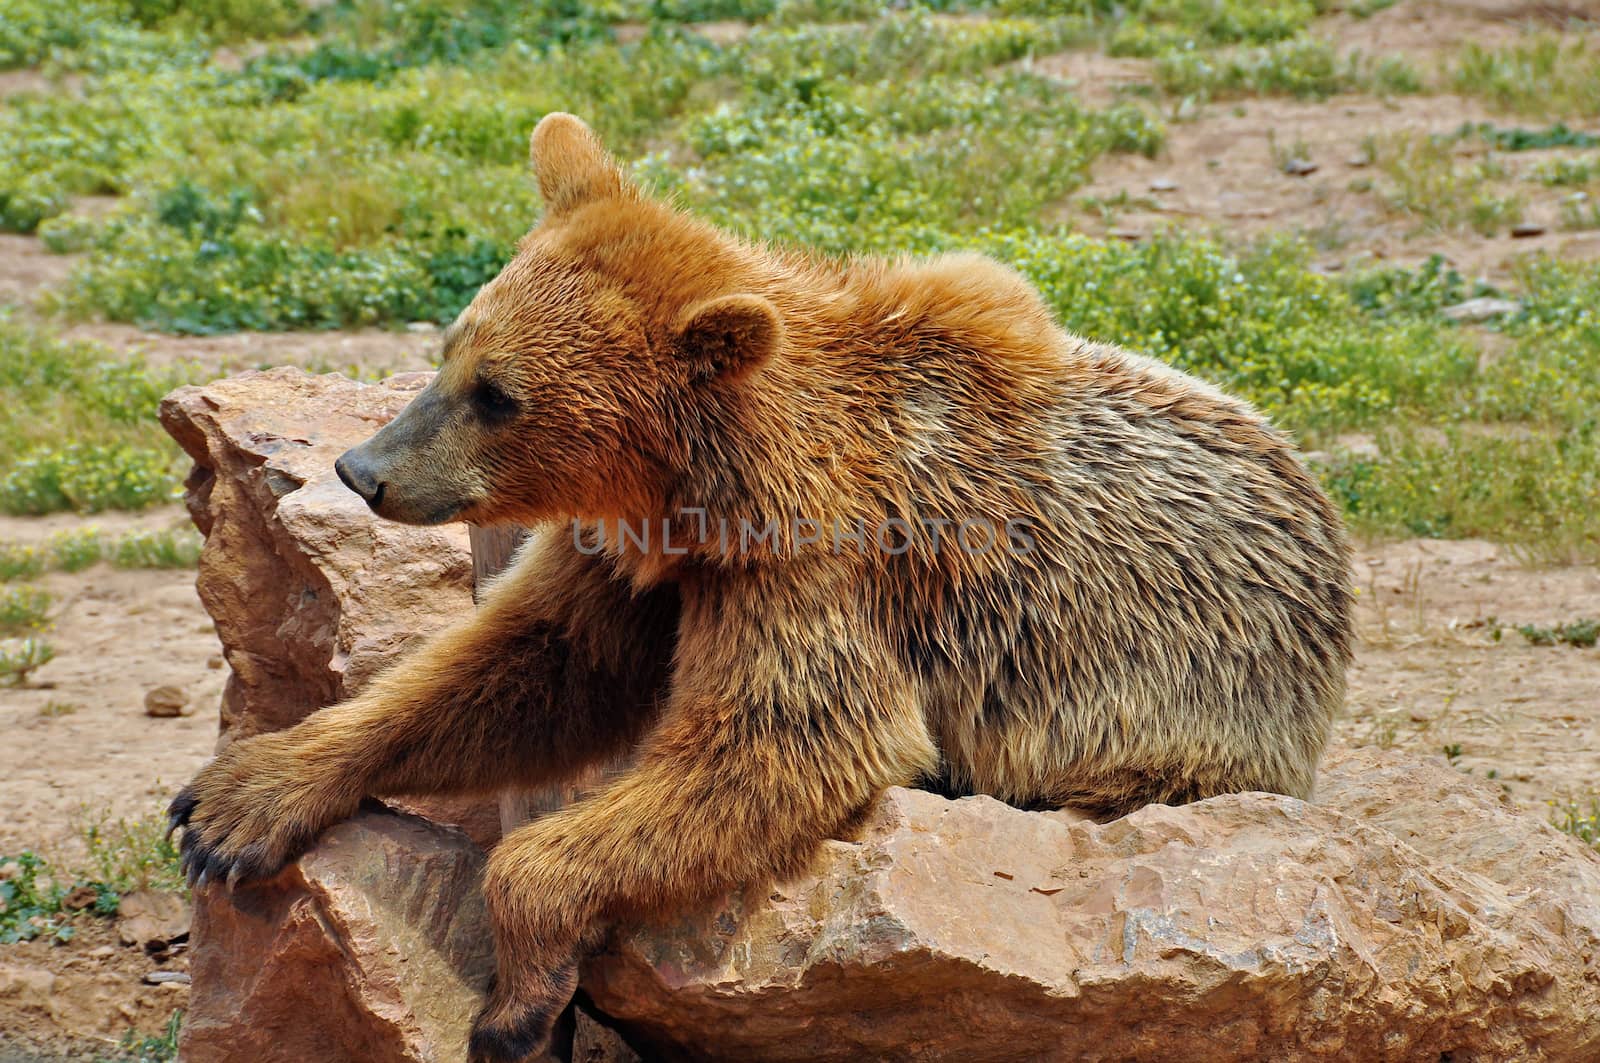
(22, 610)
(161, 1048)
(1579, 634)
(20, 562)
(130, 855)
(1452, 752)
(158, 549)
(19, 658)
(51, 710)
(74, 551)
(37, 901)
(30, 901)
(1580, 822)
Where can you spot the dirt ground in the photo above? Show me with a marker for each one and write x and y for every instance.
(1429, 674)
(1222, 168)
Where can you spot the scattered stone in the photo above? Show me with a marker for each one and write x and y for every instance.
(1411, 914)
(166, 700)
(80, 897)
(374, 948)
(421, 327)
(1482, 309)
(1132, 236)
(167, 978)
(215, 661)
(1163, 184)
(1525, 229)
(1358, 160)
(1298, 167)
(153, 920)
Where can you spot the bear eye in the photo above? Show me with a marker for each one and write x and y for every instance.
(492, 402)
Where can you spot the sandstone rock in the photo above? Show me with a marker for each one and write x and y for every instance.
(166, 700)
(152, 920)
(1411, 915)
(373, 949)
(310, 592)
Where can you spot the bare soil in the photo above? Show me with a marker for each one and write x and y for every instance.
(1222, 169)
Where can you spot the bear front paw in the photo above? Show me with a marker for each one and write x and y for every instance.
(247, 814)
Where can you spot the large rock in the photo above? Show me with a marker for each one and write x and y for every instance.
(311, 593)
(1412, 915)
(373, 949)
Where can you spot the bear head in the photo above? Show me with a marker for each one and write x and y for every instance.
(569, 382)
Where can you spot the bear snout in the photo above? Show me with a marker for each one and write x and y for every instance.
(358, 474)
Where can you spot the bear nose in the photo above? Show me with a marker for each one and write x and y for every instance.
(360, 477)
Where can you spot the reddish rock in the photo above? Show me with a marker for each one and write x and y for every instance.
(310, 592)
(374, 948)
(1423, 918)
(152, 920)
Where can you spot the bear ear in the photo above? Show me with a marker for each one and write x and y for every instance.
(570, 163)
(730, 335)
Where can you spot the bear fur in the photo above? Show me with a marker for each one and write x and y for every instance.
(715, 436)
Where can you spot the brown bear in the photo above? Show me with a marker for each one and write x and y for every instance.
(813, 528)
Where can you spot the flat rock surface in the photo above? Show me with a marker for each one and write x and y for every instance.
(1410, 914)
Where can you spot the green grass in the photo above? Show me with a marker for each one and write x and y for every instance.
(1579, 634)
(1301, 67)
(78, 428)
(74, 551)
(1580, 821)
(21, 657)
(1441, 191)
(1544, 76)
(157, 549)
(161, 1048)
(374, 173)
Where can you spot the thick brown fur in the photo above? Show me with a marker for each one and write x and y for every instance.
(1178, 626)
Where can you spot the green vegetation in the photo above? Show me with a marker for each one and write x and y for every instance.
(23, 609)
(163, 549)
(1299, 67)
(73, 551)
(1583, 823)
(364, 163)
(162, 1048)
(1580, 634)
(129, 855)
(1541, 75)
(38, 899)
(1427, 184)
(77, 426)
(19, 658)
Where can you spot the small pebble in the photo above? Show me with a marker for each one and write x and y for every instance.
(159, 977)
(1298, 167)
(165, 700)
(1163, 184)
(1523, 230)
